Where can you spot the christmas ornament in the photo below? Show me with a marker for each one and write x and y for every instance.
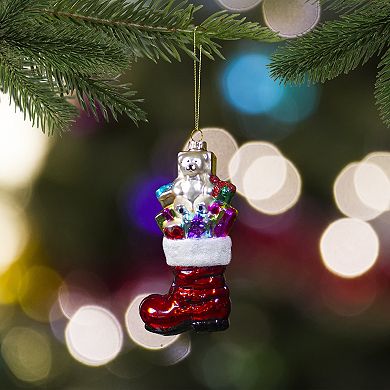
(196, 220)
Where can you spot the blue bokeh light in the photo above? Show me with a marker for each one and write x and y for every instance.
(248, 87)
(142, 205)
(298, 103)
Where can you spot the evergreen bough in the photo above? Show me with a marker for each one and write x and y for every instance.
(52, 51)
(55, 50)
(336, 47)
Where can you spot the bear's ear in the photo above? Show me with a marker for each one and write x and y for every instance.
(205, 157)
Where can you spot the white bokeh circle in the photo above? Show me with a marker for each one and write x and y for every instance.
(265, 177)
(347, 198)
(285, 198)
(291, 18)
(372, 186)
(23, 147)
(238, 5)
(244, 157)
(94, 336)
(349, 247)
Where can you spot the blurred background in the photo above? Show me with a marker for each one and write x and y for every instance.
(309, 280)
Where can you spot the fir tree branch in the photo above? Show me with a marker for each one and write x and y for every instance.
(158, 29)
(109, 99)
(382, 88)
(343, 5)
(82, 50)
(34, 95)
(55, 44)
(67, 46)
(339, 46)
(335, 47)
(96, 96)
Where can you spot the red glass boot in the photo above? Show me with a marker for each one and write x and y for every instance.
(198, 300)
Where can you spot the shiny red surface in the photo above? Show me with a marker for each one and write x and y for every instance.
(174, 233)
(198, 294)
(219, 184)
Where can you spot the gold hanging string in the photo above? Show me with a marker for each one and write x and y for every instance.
(197, 84)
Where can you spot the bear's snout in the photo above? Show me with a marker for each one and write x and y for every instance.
(191, 167)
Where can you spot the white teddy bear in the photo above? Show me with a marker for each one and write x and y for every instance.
(192, 187)
(194, 169)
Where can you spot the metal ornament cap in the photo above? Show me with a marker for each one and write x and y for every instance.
(197, 145)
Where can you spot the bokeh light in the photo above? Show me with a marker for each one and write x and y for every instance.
(23, 148)
(7, 318)
(285, 198)
(80, 288)
(58, 322)
(10, 283)
(141, 204)
(381, 159)
(138, 333)
(372, 186)
(244, 158)
(247, 85)
(38, 292)
(71, 298)
(94, 336)
(238, 5)
(298, 103)
(291, 18)
(362, 189)
(349, 247)
(13, 233)
(346, 197)
(27, 353)
(265, 177)
(270, 183)
(223, 144)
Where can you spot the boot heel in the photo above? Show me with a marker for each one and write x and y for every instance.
(210, 325)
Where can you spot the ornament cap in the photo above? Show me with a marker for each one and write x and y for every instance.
(197, 145)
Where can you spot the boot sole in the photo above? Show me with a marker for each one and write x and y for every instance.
(197, 326)
(210, 325)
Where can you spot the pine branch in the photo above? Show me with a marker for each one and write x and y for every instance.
(34, 96)
(229, 27)
(55, 44)
(62, 47)
(109, 99)
(382, 88)
(338, 46)
(158, 29)
(334, 48)
(96, 96)
(51, 45)
(343, 5)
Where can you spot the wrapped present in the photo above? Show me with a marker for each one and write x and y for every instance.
(223, 190)
(224, 220)
(165, 194)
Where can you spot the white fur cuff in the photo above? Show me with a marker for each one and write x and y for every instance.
(202, 252)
